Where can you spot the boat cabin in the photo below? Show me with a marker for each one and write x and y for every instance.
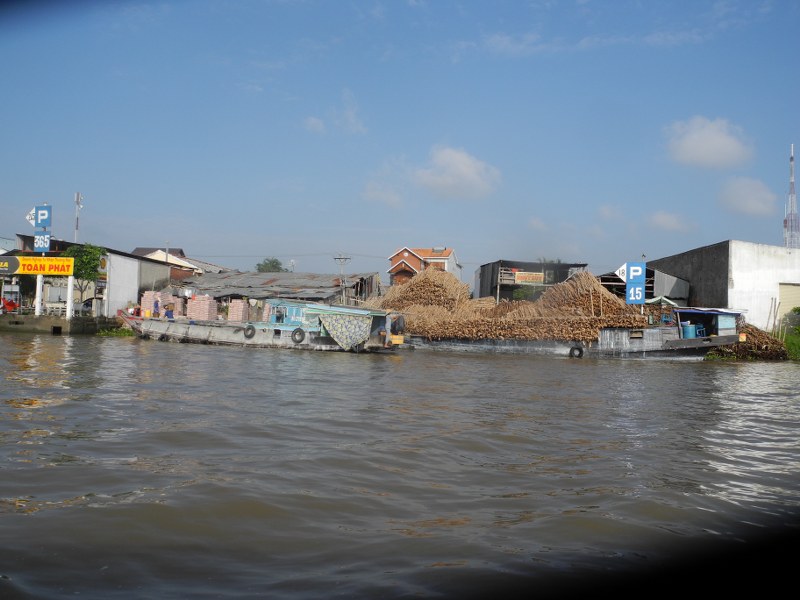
(347, 325)
(705, 322)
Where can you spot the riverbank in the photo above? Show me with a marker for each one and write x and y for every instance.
(54, 324)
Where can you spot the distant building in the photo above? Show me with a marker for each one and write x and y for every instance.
(119, 285)
(513, 279)
(407, 262)
(181, 266)
(761, 280)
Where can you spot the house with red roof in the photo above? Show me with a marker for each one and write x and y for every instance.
(407, 262)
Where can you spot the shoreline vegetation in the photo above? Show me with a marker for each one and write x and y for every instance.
(438, 306)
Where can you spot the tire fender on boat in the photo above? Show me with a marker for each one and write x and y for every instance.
(298, 335)
(249, 331)
(576, 352)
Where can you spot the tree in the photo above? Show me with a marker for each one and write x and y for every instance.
(87, 264)
(270, 265)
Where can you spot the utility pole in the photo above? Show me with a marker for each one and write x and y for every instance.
(78, 207)
(342, 259)
(791, 222)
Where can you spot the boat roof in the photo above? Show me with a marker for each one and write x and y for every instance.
(707, 311)
(321, 308)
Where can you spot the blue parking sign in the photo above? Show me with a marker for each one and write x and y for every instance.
(43, 216)
(635, 276)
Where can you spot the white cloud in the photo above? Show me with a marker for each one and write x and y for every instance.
(537, 224)
(608, 212)
(314, 125)
(382, 193)
(747, 196)
(453, 173)
(523, 45)
(669, 222)
(704, 143)
(347, 117)
(251, 87)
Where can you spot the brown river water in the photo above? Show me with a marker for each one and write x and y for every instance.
(142, 469)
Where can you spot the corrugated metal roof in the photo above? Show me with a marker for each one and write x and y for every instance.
(301, 286)
(207, 267)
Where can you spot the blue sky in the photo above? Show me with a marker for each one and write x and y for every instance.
(582, 130)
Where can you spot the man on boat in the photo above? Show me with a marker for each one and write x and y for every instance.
(395, 325)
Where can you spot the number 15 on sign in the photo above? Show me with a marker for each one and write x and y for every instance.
(635, 293)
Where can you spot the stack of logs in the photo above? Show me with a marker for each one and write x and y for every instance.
(438, 306)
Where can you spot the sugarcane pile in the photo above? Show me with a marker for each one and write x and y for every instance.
(437, 306)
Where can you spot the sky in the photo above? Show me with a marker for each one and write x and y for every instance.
(586, 131)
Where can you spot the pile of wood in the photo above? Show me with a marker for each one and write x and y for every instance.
(758, 345)
(431, 287)
(437, 306)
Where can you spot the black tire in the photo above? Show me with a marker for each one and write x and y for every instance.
(576, 352)
(298, 335)
(249, 331)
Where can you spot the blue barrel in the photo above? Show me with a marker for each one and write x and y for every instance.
(689, 331)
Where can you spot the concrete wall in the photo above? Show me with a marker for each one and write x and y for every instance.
(123, 284)
(670, 286)
(707, 271)
(152, 276)
(757, 270)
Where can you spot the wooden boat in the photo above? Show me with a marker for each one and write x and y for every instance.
(288, 324)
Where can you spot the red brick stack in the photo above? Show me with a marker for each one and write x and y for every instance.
(238, 310)
(202, 308)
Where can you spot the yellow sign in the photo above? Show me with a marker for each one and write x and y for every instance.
(523, 277)
(36, 265)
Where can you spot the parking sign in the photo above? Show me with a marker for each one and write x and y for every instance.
(634, 275)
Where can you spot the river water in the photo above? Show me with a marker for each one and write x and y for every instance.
(142, 469)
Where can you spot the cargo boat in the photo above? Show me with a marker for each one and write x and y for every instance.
(288, 324)
(703, 329)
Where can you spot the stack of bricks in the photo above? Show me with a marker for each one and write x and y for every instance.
(238, 310)
(202, 308)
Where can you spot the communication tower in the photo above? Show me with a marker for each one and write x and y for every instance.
(791, 222)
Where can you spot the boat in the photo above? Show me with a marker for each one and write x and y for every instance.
(289, 324)
(703, 329)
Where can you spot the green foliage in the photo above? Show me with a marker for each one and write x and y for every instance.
(525, 293)
(270, 265)
(792, 342)
(87, 264)
(116, 332)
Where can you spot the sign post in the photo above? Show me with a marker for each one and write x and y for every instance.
(634, 275)
(40, 217)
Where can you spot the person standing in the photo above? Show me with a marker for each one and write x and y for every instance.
(155, 308)
(387, 341)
